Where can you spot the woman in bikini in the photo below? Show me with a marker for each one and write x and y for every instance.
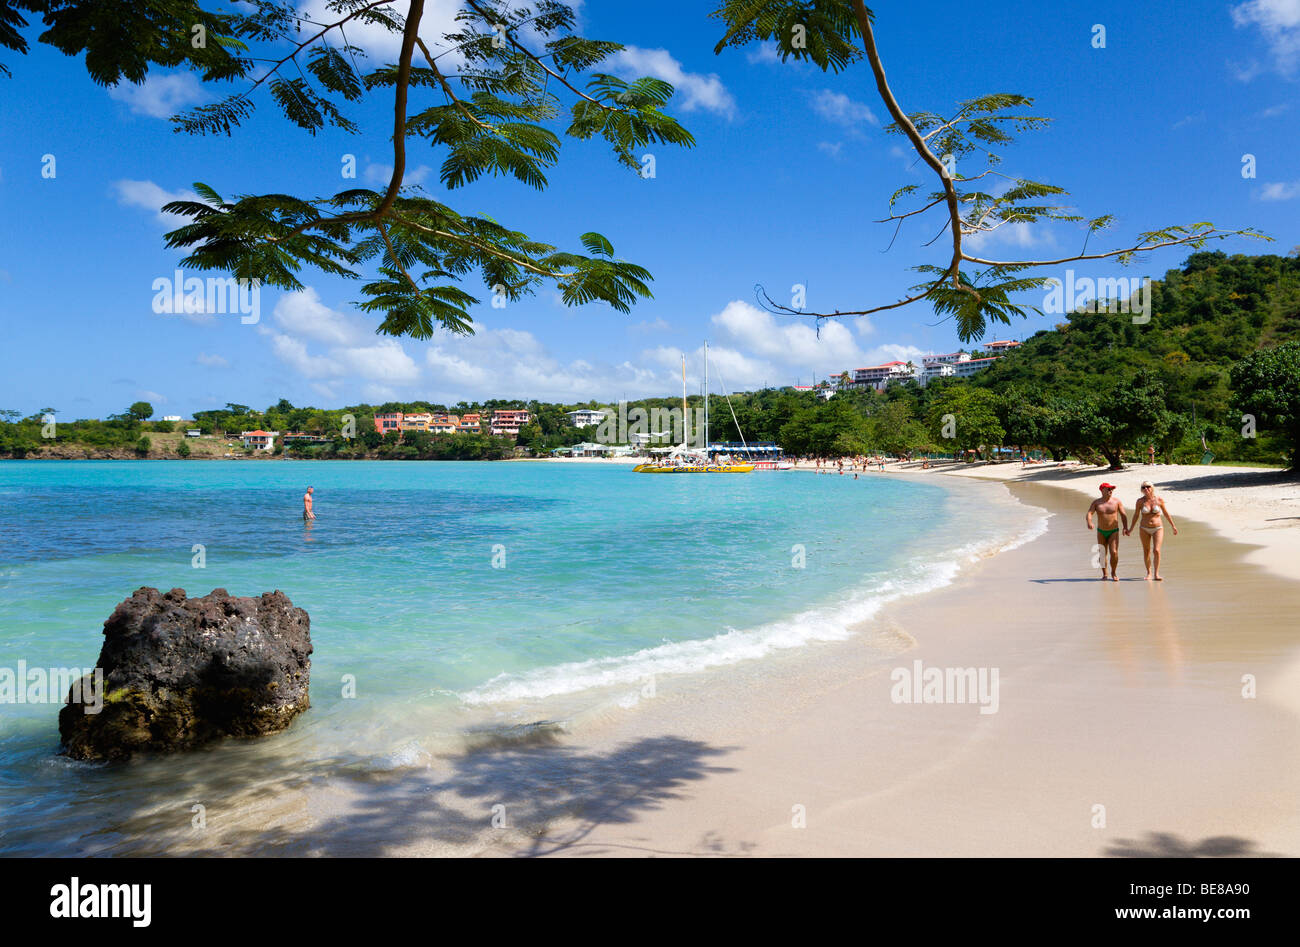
(1147, 514)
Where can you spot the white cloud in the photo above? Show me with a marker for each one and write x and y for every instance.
(149, 196)
(1279, 21)
(341, 359)
(794, 350)
(303, 314)
(839, 108)
(385, 360)
(212, 361)
(1244, 72)
(693, 90)
(379, 394)
(764, 53)
(793, 344)
(381, 174)
(832, 149)
(511, 363)
(1280, 191)
(1023, 236)
(293, 352)
(160, 95)
(151, 396)
(893, 352)
(648, 325)
(352, 349)
(1273, 111)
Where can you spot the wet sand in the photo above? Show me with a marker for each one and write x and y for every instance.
(1126, 696)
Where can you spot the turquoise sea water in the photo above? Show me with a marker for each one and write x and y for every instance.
(454, 594)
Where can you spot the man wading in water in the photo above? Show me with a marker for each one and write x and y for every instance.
(1109, 513)
(307, 514)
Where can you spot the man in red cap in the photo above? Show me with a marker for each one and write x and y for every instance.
(1110, 513)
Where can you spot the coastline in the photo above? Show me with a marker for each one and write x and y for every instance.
(1122, 729)
(1251, 506)
(1122, 695)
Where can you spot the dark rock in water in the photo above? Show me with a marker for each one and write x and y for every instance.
(178, 673)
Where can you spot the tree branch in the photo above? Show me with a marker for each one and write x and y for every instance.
(480, 246)
(299, 47)
(409, 36)
(489, 15)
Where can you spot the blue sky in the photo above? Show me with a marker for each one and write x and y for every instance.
(791, 168)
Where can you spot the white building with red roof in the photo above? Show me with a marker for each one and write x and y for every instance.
(260, 440)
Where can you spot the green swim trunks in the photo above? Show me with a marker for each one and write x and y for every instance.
(1107, 533)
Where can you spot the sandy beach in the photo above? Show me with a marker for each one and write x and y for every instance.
(1102, 719)
(1253, 506)
(1121, 728)
(1129, 719)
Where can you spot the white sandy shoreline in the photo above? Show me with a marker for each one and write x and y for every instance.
(1253, 506)
(1125, 696)
(1122, 695)
(1128, 698)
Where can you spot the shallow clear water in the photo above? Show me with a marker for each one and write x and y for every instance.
(455, 594)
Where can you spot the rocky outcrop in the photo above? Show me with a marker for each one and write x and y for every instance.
(72, 452)
(179, 673)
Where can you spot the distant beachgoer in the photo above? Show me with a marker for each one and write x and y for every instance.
(1146, 516)
(1151, 454)
(1109, 512)
(307, 514)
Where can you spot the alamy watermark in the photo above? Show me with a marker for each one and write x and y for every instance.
(946, 685)
(210, 296)
(1128, 294)
(39, 685)
(657, 424)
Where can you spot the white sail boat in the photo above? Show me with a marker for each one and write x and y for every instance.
(684, 458)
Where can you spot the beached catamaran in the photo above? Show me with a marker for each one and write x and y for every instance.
(683, 458)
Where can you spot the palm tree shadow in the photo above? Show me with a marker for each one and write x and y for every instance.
(1168, 845)
(546, 785)
(543, 798)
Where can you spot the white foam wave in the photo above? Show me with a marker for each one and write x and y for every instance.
(734, 645)
(830, 623)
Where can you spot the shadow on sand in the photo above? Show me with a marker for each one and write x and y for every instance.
(520, 792)
(1082, 579)
(541, 796)
(1168, 845)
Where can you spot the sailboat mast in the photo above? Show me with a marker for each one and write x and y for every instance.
(685, 416)
(706, 398)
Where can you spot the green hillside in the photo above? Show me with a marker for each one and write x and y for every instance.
(1214, 311)
(1205, 317)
